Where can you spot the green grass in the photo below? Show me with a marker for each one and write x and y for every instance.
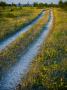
(14, 51)
(13, 18)
(49, 69)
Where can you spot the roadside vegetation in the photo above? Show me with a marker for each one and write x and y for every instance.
(14, 51)
(48, 70)
(13, 18)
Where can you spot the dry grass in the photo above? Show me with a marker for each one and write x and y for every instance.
(13, 18)
(49, 69)
(14, 51)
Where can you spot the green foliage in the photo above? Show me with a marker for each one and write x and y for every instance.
(63, 4)
(60, 3)
(3, 3)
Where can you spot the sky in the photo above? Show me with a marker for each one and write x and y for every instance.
(31, 1)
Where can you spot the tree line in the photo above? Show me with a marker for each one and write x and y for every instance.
(60, 4)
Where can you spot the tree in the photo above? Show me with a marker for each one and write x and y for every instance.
(60, 3)
(13, 4)
(3, 3)
(65, 4)
(35, 4)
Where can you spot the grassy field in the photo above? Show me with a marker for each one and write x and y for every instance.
(49, 69)
(13, 18)
(14, 51)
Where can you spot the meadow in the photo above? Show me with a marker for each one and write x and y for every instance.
(48, 71)
(12, 19)
(12, 53)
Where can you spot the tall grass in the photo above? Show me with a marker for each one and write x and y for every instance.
(15, 50)
(13, 18)
(49, 69)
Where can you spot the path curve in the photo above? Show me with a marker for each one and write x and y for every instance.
(13, 78)
(6, 42)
